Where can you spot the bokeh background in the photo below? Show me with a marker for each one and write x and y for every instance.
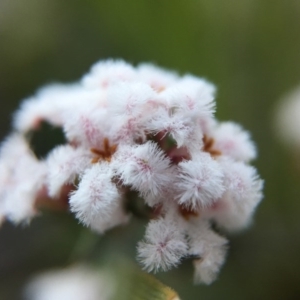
(249, 48)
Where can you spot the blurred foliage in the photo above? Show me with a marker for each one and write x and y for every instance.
(250, 49)
(135, 284)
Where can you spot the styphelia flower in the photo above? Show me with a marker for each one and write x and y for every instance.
(97, 196)
(22, 177)
(233, 211)
(128, 105)
(105, 73)
(142, 130)
(164, 245)
(49, 104)
(159, 79)
(200, 181)
(210, 248)
(64, 164)
(234, 142)
(144, 167)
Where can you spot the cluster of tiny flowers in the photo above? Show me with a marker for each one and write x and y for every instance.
(139, 129)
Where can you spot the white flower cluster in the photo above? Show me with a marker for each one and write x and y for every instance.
(142, 129)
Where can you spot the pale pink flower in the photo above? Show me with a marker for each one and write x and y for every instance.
(49, 104)
(199, 181)
(105, 73)
(159, 79)
(243, 193)
(209, 248)
(64, 164)
(97, 196)
(163, 247)
(144, 167)
(22, 176)
(234, 142)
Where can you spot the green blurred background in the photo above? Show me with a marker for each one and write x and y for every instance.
(249, 48)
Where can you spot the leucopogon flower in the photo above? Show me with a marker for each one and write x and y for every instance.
(140, 129)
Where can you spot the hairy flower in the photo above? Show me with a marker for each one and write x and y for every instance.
(64, 164)
(209, 248)
(243, 193)
(22, 176)
(144, 167)
(164, 246)
(96, 197)
(199, 181)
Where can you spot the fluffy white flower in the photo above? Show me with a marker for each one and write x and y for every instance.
(129, 99)
(194, 96)
(50, 104)
(75, 283)
(105, 73)
(22, 177)
(164, 246)
(159, 79)
(117, 216)
(243, 193)
(234, 142)
(20, 203)
(166, 196)
(64, 164)
(144, 167)
(129, 106)
(180, 126)
(199, 182)
(210, 248)
(188, 105)
(97, 196)
(86, 125)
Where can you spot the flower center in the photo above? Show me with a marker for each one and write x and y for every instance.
(104, 154)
